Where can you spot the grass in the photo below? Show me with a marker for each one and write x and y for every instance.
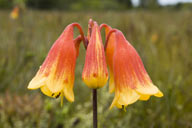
(162, 38)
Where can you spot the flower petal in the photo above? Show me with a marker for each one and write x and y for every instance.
(124, 97)
(56, 75)
(47, 92)
(68, 93)
(132, 82)
(144, 97)
(110, 46)
(111, 83)
(147, 89)
(37, 82)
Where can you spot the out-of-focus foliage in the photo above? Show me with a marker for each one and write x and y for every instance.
(10, 3)
(149, 4)
(5, 4)
(162, 38)
(69, 4)
(79, 5)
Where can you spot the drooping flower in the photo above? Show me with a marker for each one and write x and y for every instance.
(95, 74)
(132, 82)
(56, 75)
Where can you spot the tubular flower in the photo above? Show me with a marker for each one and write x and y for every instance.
(132, 82)
(56, 75)
(95, 74)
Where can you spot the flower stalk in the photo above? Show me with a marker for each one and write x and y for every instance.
(94, 92)
(85, 41)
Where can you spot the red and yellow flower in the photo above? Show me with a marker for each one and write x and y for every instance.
(95, 74)
(131, 80)
(56, 75)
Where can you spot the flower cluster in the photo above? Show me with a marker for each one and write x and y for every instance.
(128, 77)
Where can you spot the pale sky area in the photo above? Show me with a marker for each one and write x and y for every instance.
(165, 2)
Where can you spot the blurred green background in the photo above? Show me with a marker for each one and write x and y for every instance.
(161, 34)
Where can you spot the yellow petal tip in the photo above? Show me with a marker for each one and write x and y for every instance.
(159, 94)
(144, 97)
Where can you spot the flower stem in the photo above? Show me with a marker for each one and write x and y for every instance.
(85, 41)
(94, 108)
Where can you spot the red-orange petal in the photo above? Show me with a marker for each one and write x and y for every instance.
(109, 50)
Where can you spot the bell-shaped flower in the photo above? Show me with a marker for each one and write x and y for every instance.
(56, 75)
(95, 74)
(132, 82)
